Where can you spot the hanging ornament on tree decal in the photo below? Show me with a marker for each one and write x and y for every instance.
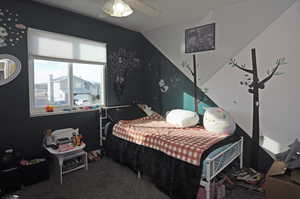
(11, 30)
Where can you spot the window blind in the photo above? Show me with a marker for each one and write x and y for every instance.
(54, 45)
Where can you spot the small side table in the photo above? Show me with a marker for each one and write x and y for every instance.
(74, 153)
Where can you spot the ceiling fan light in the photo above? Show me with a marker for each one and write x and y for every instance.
(117, 8)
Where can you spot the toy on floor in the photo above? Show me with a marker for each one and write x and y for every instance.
(94, 155)
(250, 179)
(250, 176)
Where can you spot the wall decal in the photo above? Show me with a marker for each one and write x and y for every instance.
(122, 62)
(11, 30)
(194, 74)
(163, 86)
(169, 82)
(252, 82)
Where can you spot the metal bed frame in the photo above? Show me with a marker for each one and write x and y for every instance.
(213, 166)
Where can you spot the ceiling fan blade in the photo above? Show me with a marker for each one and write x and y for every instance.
(143, 7)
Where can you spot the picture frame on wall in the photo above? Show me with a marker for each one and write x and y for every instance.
(201, 38)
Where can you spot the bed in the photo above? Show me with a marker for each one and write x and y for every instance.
(177, 177)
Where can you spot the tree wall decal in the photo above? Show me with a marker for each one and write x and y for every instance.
(254, 85)
(198, 96)
(193, 72)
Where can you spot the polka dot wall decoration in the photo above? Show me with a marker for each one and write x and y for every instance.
(11, 30)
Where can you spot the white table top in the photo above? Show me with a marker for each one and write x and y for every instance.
(56, 152)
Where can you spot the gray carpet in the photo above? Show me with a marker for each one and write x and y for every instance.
(105, 179)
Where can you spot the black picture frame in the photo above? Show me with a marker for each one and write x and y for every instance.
(201, 38)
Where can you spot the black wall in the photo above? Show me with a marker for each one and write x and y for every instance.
(17, 128)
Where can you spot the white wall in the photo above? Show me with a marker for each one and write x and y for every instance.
(280, 109)
(236, 26)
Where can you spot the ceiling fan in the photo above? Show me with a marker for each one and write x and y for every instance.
(122, 8)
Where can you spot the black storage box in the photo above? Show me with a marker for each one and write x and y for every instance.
(10, 180)
(32, 174)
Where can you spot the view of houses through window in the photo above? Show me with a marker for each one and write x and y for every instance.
(60, 83)
(86, 84)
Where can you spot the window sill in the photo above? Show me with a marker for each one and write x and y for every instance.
(41, 114)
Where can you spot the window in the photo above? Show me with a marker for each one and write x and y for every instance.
(65, 72)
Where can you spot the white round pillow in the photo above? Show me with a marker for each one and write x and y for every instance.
(182, 118)
(217, 120)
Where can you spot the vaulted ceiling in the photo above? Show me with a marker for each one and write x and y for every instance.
(171, 11)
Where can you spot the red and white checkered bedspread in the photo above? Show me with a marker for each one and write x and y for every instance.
(186, 144)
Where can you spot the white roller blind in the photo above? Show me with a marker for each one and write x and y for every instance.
(48, 44)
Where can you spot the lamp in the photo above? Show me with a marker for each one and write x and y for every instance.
(117, 8)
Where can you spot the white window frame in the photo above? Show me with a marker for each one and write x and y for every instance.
(35, 111)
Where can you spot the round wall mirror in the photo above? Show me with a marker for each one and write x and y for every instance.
(10, 67)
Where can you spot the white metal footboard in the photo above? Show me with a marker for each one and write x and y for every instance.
(216, 164)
